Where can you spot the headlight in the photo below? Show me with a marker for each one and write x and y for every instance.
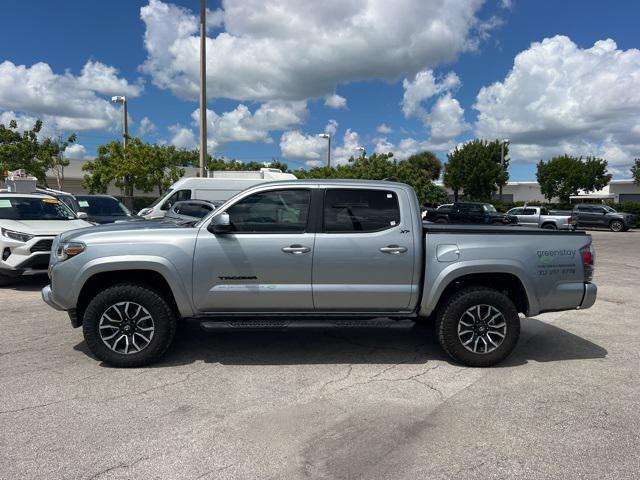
(19, 236)
(68, 250)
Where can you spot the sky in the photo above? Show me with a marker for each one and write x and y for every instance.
(552, 77)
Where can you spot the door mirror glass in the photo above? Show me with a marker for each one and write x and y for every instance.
(220, 224)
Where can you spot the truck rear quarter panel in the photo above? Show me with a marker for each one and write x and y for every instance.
(547, 263)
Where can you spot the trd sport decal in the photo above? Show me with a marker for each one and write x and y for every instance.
(238, 278)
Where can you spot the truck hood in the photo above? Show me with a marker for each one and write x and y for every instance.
(119, 227)
(43, 227)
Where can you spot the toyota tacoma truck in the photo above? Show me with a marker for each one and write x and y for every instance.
(532, 216)
(320, 252)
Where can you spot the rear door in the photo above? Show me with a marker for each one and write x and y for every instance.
(588, 216)
(364, 251)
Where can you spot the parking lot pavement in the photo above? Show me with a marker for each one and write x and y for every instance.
(332, 403)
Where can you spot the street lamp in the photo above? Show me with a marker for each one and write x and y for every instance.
(123, 100)
(328, 137)
(504, 141)
(203, 86)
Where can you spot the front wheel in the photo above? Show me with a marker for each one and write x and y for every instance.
(616, 226)
(478, 326)
(129, 325)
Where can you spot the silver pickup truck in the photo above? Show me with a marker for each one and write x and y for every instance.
(315, 251)
(531, 216)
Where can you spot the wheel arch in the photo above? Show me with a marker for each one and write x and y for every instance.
(504, 278)
(161, 277)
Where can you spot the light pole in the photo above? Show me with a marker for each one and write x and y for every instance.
(123, 100)
(506, 140)
(328, 137)
(203, 85)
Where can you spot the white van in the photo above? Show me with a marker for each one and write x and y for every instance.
(218, 187)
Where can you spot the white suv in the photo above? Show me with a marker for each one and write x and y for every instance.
(28, 225)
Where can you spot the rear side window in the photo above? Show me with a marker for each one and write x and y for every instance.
(528, 211)
(351, 211)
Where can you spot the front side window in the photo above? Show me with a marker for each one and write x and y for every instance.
(529, 211)
(515, 211)
(351, 211)
(274, 211)
(490, 208)
(178, 196)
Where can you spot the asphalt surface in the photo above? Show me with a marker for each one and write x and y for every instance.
(332, 403)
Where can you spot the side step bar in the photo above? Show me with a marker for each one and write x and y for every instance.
(275, 324)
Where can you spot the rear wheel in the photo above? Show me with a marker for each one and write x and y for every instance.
(478, 326)
(616, 226)
(550, 226)
(129, 325)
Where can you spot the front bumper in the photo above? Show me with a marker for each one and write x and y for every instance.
(590, 294)
(47, 296)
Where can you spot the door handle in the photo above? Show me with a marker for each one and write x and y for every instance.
(393, 249)
(296, 249)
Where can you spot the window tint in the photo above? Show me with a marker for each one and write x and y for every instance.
(196, 210)
(179, 196)
(275, 211)
(584, 209)
(515, 211)
(34, 208)
(101, 206)
(360, 210)
(529, 211)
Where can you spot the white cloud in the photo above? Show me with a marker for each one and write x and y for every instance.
(146, 127)
(446, 118)
(288, 49)
(384, 129)
(63, 101)
(331, 128)
(409, 146)
(335, 101)
(560, 98)
(241, 125)
(350, 142)
(424, 86)
(183, 137)
(75, 151)
(508, 4)
(295, 145)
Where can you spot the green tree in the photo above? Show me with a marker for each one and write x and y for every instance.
(476, 169)
(140, 166)
(25, 150)
(566, 175)
(635, 171)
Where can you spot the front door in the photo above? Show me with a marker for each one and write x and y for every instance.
(264, 265)
(364, 253)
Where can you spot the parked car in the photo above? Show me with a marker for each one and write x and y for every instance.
(190, 211)
(533, 216)
(591, 215)
(104, 209)
(432, 212)
(315, 251)
(28, 224)
(222, 186)
(471, 213)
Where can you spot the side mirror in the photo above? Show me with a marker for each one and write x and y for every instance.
(82, 215)
(220, 224)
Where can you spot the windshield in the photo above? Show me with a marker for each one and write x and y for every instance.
(489, 208)
(166, 194)
(96, 206)
(33, 208)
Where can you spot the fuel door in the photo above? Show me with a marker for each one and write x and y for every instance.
(448, 253)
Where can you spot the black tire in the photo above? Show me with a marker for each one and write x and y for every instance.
(549, 226)
(4, 280)
(616, 226)
(451, 314)
(163, 320)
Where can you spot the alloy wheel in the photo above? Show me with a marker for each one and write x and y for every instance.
(126, 328)
(482, 329)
